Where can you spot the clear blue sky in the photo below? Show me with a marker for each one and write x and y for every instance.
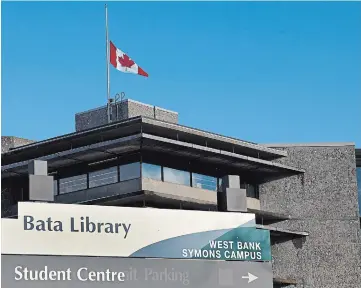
(263, 72)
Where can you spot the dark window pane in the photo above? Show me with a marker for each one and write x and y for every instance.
(252, 191)
(129, 171)
(103, 177)
(204, 182)
(72, 184)
(151, 171)
(176, 176)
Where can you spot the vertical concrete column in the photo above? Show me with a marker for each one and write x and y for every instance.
(231, 197)
(41, 186)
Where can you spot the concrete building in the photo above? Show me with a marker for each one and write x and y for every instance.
(305, 194)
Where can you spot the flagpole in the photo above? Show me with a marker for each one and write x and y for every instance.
(107, 53)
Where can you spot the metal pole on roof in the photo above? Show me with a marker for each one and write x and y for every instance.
(107, 55)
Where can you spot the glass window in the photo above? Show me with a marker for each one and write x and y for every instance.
(358, 173)
(129, 171)
(55, 187)
(176, 176)
(204, 182)
(252, 191)
(151, 171)
(103, 177)
(72, 184)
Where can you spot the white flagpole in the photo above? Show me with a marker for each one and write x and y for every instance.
(108, 78)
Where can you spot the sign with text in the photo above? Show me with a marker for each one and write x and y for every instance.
(65, 229)
(20, 271)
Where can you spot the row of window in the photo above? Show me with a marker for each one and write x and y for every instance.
(98, 178)
(134, 170)
(179, 177)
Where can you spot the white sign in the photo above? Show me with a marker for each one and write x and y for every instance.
(66, 229)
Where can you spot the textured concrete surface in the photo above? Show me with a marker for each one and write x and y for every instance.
(180, 192)
(137, 108)
(324, 203)
(121, 111)
(8, 142)
(91, 119)
(253, 203)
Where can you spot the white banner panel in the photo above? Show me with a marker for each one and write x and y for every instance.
(66, 229)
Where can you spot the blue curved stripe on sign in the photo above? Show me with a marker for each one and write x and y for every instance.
(172, 247)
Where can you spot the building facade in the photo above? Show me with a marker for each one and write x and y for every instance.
(305, 194)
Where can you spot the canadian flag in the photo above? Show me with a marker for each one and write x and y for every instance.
(122, 62)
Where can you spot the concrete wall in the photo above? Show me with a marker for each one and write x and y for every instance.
(91, 119)
(324, 203)
(253, 203)
(8, 142)
(137, 108)
(121, 111)
(166, 115)
(180, 192)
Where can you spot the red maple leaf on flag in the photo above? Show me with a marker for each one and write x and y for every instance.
(125, 61)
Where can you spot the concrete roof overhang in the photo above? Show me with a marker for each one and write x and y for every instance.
(134, 126)
(262, 169)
